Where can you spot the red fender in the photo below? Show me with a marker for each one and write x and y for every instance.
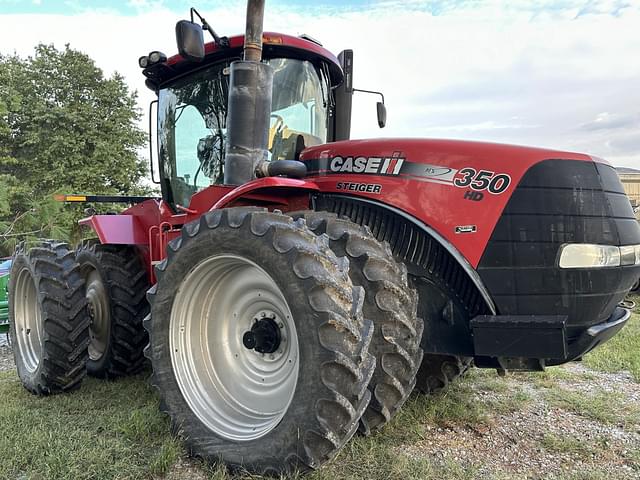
(269, 187)
(117, 229)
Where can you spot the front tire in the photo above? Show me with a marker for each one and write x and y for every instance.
(258, 345)
(49, 320)
(390, 303)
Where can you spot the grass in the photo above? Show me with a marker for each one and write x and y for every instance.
(569, 445)
(113, 430)
(622, 352)
(609, 408)
(104, 430)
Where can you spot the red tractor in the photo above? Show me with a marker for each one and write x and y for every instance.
(299, 284)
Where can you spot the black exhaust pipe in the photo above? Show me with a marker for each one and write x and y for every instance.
(249, 108)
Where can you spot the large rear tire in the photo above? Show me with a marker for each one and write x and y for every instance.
(116, 285)
(49, 320)
(257, 341)
(389, 302)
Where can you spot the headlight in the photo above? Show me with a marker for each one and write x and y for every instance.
(585, 255)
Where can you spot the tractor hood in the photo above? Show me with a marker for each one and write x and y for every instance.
(445, 156)
(459, 188)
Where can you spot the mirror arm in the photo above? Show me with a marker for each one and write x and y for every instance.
(370, 91)
(222, 41)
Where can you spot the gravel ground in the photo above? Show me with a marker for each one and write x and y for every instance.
(6, 355)
(538, 440)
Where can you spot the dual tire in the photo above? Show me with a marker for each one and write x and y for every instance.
(49, 321)
(74, 313)
(283, 316)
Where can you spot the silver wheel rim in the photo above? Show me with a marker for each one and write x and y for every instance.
(98, 300)
(238, 393)
(28, 320)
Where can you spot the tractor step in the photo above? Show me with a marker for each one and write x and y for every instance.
(528, 336)
(531, 342)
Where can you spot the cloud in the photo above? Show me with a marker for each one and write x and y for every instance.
(612, 121)
(560, 74)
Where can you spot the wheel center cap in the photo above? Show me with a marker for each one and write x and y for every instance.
(264, 336)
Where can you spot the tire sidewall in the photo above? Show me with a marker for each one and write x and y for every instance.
(287, 436)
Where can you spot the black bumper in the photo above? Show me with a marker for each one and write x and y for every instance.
(594, 336)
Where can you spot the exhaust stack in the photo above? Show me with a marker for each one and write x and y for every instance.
(249, 108)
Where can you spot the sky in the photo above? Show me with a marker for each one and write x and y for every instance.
(563, 74)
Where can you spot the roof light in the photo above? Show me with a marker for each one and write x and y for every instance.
(157, 57)
(310, 39)
(586, 255)
(143, 62)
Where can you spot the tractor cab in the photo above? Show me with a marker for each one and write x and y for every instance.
(193, 107)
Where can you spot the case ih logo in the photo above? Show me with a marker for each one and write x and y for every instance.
(374, 165)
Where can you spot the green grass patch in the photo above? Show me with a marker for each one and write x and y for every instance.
(371, 458)
(104, 430)
(604, 407)
(552, 376)
(622, 352)
(565, 444)
(458, 405)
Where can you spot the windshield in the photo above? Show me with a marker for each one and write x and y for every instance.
(192, 122)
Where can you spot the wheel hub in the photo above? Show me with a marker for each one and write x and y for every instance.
(264, 336)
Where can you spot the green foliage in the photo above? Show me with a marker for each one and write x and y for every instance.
(64, 127)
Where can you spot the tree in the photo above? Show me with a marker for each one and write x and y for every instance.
(64, 127)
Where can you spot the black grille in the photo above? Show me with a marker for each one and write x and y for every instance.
(556, 202)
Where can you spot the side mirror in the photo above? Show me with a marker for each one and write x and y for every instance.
(190, 40)
(382, 114)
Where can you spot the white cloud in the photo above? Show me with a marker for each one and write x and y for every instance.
(539, 75)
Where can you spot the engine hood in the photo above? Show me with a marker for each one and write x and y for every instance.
(459, 188)
(450, 153)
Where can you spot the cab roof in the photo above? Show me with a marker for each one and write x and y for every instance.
(274, 45)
